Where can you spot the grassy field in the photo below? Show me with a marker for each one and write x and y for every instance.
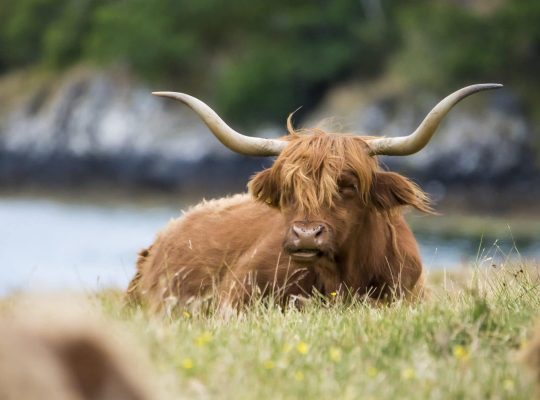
(465, 341)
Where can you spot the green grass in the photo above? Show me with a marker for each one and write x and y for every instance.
(463, 342)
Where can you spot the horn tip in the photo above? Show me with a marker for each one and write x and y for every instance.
(172, 95)
(489, 86)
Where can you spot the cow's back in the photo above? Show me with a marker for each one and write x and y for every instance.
(195, 252)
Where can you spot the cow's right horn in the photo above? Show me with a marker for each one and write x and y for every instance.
(416, 141)
(235, 141)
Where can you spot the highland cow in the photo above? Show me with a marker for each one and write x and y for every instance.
(323, 218)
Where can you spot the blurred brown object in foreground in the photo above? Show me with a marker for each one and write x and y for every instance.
(531, 356)
(62, 349)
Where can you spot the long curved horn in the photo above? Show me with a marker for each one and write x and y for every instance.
(416, 141)
(235, 141)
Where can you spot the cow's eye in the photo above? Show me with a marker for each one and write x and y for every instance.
(347, 190)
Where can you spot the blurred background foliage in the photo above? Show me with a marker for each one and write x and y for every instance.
(259, 59)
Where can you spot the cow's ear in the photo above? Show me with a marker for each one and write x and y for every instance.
(390, 190)
(264, 187)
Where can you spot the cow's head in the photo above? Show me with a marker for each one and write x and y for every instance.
(327, 185)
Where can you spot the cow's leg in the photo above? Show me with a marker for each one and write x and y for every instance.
(132, 294)
(262, 276)
(419, 291)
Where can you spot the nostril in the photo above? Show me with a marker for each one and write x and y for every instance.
(319, 231)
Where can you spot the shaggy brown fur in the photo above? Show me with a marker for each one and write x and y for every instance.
(58, 351)
(229, 247)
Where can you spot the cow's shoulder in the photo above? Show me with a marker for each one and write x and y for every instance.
(222, 204)
(219, 215)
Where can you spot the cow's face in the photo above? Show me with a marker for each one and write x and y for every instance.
(328, 188)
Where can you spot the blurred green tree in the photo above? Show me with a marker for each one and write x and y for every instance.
(444, 43)
(22, 29)
(259, 60)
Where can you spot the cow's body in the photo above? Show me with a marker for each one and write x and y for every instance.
(221, 247)
(323, 218)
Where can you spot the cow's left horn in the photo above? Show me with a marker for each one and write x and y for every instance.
(416, 141)
(235, 141)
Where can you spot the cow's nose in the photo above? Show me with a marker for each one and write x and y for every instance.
(309, 235)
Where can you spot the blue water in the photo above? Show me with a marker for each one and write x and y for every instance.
(48, 244)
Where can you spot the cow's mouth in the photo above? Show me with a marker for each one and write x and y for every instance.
(305, 254)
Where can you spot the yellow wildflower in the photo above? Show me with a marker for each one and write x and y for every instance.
(333, 294)
(268, 364)
(203, 339)
(335, 354)
(302, 348)
(508, 385)
(187, 363)
(299, 376)
(460, 353)
(408, 374)
(186, 315)
(372, 371)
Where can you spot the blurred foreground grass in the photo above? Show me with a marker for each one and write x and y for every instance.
(464, 341)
